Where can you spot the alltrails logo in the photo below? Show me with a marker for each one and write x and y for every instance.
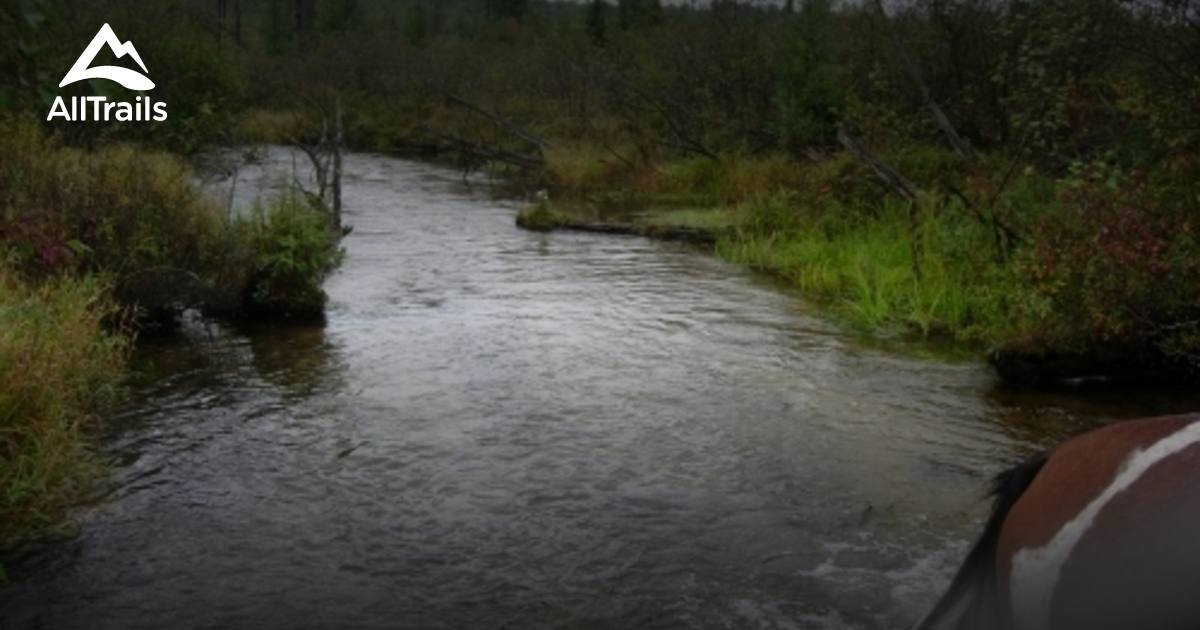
(101, 109)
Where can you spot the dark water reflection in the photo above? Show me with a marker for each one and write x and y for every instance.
(497, 428)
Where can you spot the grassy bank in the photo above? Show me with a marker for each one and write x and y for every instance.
(93, 244)
(1092, 272)
(875, 262)
(60, 364)
(918, 271)
(138, 217)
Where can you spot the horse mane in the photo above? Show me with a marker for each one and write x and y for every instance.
(973, 601)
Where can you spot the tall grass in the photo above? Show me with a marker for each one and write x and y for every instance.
(59, 365)
(133, 214)
(929, 273)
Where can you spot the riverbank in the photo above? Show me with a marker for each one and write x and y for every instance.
(1088, 272)
(492, 385)
(1053, 280)
(95, 244)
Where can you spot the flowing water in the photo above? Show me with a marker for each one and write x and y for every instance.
(504, 429)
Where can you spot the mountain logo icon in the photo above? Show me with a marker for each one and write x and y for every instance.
(131, 79)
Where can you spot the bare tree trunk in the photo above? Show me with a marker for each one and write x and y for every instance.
(894, 180)
(326, 159)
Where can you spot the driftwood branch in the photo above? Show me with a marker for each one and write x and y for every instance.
(512, 128)
(482, 151)
(888, 175)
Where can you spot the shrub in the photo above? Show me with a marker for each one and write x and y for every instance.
(540, 217)
(133, 214)
(1116, 272)
(295, 248)
(926, 271)
(139, 217)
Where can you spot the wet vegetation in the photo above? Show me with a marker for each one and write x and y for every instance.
(95, 245)
(1019, 176)
(60, 360)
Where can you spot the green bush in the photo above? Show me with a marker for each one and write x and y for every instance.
(295, 248)
(1116, 271)
(810, 97)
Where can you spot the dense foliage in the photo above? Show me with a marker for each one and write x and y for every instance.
(139, 218)
(92, 242)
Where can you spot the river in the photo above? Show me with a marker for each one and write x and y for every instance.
(504, 429)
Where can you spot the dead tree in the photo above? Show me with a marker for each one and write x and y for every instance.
(889, 176)
(897, 182)
(475, 153)
(326, 158)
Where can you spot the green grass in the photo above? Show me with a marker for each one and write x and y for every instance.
(540, 217)
(58, 366)
(931, 275)
(695, 218)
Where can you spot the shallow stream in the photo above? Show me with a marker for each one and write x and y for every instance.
(504, 429)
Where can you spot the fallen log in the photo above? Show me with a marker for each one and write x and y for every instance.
(894, 180)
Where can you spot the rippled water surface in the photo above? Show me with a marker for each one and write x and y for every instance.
(505, 429)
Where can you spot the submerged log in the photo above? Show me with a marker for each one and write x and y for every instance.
(700, 236)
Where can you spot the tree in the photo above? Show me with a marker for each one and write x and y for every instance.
(416, 24)
(501, 9)
(275, 27)
(810, 97)
(339, 16)
(638, 13)
(21, 24)
(594, 22)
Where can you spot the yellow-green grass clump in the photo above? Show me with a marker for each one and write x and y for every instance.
(59, 365)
